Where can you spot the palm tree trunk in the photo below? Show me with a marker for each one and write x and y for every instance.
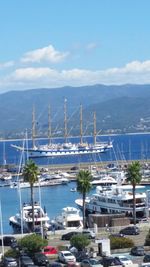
(83, 210)
(32, 203)
(134, 206)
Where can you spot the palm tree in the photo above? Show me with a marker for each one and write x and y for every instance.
(134, 177)
(30, 174)
(84, 186)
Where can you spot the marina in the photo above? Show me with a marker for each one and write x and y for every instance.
(126, 148)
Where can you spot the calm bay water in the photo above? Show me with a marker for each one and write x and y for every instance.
(133, 147)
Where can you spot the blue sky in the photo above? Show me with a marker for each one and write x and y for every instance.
(53, 43)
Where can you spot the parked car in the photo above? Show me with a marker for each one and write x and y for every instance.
(55, 264)
(49, 250)
(138, 251)
(91, 263)
(146, 258)
(80, 255)
(25, 261)
(124, 260)
(66, 256)
(110, 261)
(9, 262)
(131, 230)
(68, 235)
(8, 240)
(40, 259)
(89, 233)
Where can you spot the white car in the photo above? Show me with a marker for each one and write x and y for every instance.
(66, 256)
(124, 260)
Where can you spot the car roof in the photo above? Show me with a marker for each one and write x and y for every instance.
(9, 258)
(65, 251)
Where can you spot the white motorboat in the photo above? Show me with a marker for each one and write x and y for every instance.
(70, 218)
(73, 189)
(24, 218)
(116, 199)
(104, 181)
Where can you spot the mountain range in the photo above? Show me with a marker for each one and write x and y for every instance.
(119, 109)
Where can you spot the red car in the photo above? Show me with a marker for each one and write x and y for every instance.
(49, 250)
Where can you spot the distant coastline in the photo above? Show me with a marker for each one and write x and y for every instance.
(70, 137)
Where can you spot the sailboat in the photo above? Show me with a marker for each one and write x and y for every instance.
(66, 148)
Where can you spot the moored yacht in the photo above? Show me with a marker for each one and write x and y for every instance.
(117, 199)
(24, 218)
(70, 218)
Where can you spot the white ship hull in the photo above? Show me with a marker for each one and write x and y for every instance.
(70, 151)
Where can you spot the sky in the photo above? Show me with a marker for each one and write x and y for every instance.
(56, 43)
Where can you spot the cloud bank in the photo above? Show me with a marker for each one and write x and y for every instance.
(25, 75)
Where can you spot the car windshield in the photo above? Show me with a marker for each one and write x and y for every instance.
(140, 249)
(123, 258)
(67, 254)
(94, 262)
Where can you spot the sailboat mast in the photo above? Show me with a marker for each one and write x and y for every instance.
(33, 127)
(95, 133)
(65, 120)
(49, 125)
(81, 121)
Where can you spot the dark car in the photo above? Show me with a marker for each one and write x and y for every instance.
(131, 230)
(69, 235)
(8, 241)
(40, 259)
(56, 264)
(26, 261)
(110, 261)
(91, 263)
(9, 262)
(138, 251)
(81, 255)
(146, 258)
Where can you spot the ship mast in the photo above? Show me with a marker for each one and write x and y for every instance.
(65, 120)
(81, 130)
(95, 133)
(33, 127)
(49, 125)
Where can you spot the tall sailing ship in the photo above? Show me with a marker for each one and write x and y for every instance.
(66, 148)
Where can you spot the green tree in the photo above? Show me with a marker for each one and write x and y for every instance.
(30, 174)
(33, 243)
(84, 186)
(80, 242)
(134, 177)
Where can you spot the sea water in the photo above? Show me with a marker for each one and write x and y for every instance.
(54, 198)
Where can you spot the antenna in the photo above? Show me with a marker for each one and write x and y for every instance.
(1, 219)
(81, 129)
(94, 133)
(49, 125)
(65, 120)
(33, 127)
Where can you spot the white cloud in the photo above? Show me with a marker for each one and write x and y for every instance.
(48, 53)
(91, 46)
(26, 78)
(7, 64)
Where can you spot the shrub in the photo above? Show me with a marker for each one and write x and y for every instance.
(147, 239)
(33, 243)
(11, 253)
(121, 242)
(80, 242)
